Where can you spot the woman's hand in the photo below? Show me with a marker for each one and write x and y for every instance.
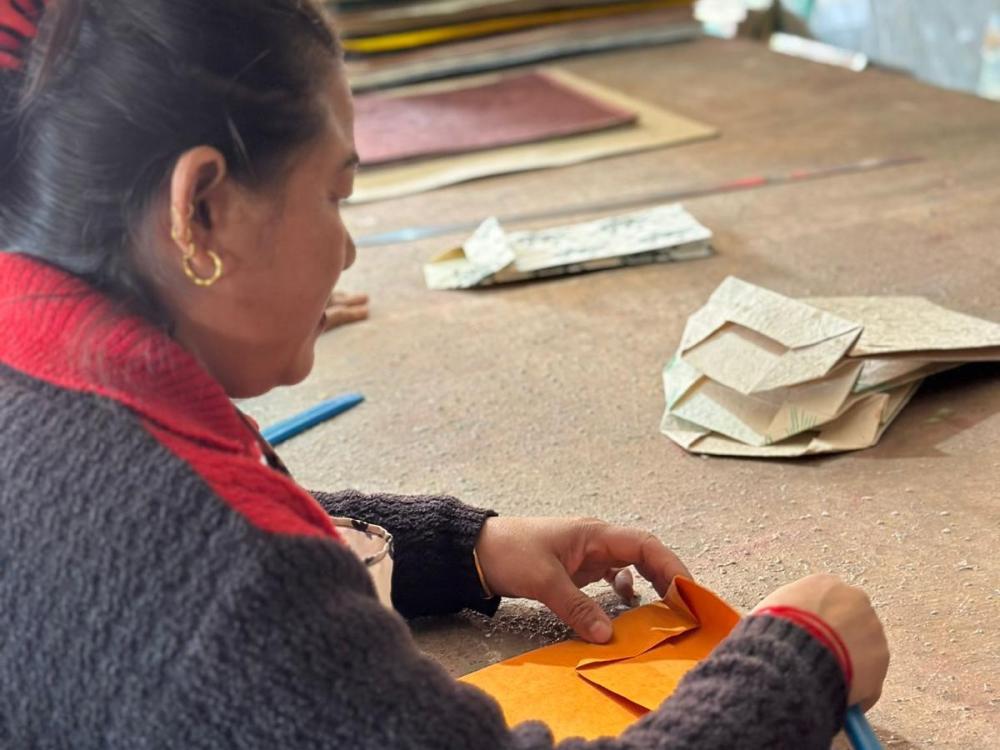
(549, 559)
(848, 611)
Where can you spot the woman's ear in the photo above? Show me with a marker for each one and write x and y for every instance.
(200, 200)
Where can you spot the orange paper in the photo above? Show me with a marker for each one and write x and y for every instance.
(584, 690)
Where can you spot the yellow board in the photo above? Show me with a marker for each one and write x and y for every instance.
(584, 690)
(438, 34)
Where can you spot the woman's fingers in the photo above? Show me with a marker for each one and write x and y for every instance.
(623, 584)
(349, 299)
(344, 307)
(652, 559)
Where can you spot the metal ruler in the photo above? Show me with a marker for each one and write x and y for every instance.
(414, 233)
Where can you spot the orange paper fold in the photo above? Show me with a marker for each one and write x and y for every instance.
(585, 690)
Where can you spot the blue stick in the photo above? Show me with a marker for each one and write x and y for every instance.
(859, 731)
(289, 428)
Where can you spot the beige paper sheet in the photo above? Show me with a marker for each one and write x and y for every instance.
(909, 325)
(656, 128)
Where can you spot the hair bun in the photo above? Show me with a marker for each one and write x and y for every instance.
(18, 26)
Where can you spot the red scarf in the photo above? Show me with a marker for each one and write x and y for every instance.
(18, 26)
(55, 328)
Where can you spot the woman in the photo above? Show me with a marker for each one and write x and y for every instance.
(171, 176)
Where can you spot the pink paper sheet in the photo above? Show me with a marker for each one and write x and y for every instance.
(514, 110)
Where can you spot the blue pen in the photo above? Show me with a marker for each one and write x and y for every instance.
(859, 731)
(289, 428)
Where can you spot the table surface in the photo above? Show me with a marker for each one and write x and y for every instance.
(545, 398)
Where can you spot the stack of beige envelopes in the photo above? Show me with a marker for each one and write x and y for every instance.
(760, 374)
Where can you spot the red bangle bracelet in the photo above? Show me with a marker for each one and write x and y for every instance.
(818, 629)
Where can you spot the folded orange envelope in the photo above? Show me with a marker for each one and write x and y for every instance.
(585, 690)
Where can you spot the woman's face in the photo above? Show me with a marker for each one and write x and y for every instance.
(282, 252)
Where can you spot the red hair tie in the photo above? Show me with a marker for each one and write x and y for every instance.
(18, 26)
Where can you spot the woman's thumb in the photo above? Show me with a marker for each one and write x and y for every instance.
(578, 610)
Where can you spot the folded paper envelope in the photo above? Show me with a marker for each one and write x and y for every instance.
(887, 372)
(751, 339)
(585, 690)
(762, 418)
(493, 256)
(760, 375)
(858, 427)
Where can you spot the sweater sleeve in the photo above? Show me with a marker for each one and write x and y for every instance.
(433, 536)
(768, 685)
(296, 652)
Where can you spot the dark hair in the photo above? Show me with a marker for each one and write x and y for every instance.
(114, 91)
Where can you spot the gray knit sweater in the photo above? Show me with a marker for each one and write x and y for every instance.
(141, 606)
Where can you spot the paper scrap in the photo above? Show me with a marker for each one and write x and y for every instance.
(810, 49)
(492, 256)
(586, 690)
(758, 374)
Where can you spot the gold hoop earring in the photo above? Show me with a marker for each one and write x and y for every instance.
(193, 274)
(184, 238)
(181, 237)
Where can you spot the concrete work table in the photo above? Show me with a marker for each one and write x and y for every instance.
(545, 398)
